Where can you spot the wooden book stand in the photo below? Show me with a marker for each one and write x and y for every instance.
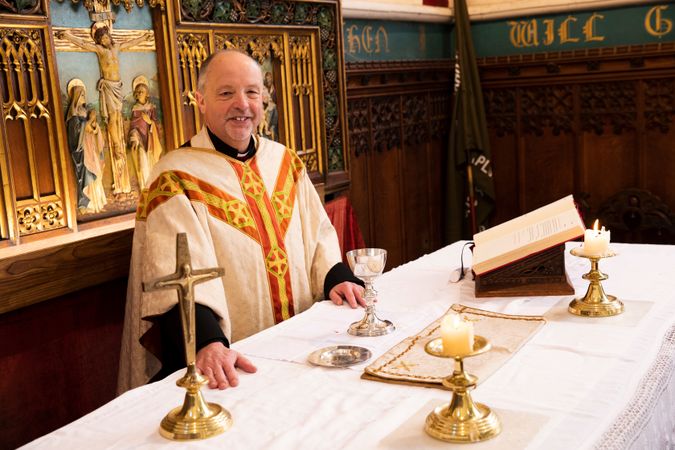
(537, 275)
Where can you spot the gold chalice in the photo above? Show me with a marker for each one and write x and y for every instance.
(461, 420)
(595, 303)
(368, 264)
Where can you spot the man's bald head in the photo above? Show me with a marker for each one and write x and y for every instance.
(231, 55)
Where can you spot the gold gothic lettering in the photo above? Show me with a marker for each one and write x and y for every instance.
(385, 40)
(525, 33)
(367, 40)
(655, 23)
(564, 31)
(353, 42)
(589, 29)
(549, 27)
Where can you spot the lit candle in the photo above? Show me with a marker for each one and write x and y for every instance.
(457, 335)
(596, 242)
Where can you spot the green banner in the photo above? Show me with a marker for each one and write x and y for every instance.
(380, 40)
(590, 29)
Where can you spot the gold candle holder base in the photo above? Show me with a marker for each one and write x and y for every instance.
(196, 419)
(462, 420)
(595, 303)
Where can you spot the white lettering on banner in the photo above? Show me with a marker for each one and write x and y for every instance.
(483, 164)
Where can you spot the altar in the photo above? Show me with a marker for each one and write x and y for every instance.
(576, 383)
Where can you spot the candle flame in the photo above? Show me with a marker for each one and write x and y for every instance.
(595, 225)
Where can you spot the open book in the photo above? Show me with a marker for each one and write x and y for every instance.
(523, 236)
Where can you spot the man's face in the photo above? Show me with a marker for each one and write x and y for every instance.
(105, 40)
(232, 99)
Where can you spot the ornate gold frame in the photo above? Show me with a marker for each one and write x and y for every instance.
(26, 50)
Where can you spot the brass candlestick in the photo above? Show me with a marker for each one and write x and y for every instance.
(461, 420)
(595, 303)
(196, 419)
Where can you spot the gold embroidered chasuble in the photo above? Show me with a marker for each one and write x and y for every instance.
(261, 220)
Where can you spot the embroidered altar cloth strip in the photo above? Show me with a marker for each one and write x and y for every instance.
(408, 363)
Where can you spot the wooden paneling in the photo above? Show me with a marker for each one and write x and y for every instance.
(387, 205)
(660, 161)
(398, 123)
(59, 360)
(48, 269)
(548, 169)
(589, 122)
(505, 156)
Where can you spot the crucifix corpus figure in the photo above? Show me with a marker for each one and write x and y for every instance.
(110, 93)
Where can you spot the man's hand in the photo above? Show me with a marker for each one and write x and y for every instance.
(351, 292)
(218, 363)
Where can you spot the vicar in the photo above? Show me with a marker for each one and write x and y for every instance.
(247, 205)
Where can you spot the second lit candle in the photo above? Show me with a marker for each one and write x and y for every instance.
(457, 335)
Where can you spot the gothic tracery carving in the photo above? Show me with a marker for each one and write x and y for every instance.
(415, 119)
(659, 104)
(500, 110)
(385, 113)
(610, 103)
(547, 106)
(359, 125)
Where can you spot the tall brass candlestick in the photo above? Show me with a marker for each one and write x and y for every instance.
(196, 419)
(461, 420)
(595, 303)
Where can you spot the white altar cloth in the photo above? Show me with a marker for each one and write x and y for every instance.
(591, 384)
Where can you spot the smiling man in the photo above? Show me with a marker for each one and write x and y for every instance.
(247, 205)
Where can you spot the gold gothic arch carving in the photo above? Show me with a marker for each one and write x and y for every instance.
(290, 61)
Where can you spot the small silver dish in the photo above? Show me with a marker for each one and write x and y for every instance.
(339, 356)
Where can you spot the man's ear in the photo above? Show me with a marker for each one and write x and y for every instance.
(201, 103)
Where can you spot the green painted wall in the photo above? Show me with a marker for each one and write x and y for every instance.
(377, 40)
(588, 29)
(380, 40)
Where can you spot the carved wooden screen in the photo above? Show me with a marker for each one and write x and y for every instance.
(299, 43)
(293, 110)
(31, 164)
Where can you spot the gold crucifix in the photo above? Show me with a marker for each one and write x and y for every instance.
(195, 419)
(183, 280)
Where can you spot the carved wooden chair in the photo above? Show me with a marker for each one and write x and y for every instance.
(638, 216)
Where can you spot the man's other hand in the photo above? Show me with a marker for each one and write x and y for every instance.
(351, 292)
(218, 363)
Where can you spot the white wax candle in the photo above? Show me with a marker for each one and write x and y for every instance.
(457, 335)
(596, 242)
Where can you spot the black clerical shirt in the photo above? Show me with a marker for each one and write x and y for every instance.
(206, 322)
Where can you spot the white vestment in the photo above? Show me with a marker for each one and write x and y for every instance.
(261, 220)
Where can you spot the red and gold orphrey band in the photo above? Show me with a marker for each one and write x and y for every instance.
(263, 218)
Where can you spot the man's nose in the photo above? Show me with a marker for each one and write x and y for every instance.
(240, 100)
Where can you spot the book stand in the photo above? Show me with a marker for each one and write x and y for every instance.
(536, 275)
